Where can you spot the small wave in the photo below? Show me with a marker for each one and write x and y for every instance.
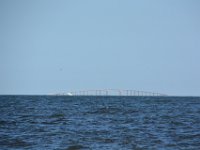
(57, 115)
(107, 110)
(14, 143)
(76, 147)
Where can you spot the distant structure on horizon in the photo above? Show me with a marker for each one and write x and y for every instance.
(110, 92)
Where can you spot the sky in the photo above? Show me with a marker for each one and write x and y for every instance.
(52, 46)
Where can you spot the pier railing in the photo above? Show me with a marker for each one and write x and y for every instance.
(111, 92)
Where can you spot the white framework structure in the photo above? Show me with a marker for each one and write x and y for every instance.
(111, 92)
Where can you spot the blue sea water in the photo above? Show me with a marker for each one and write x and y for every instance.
(99, 123)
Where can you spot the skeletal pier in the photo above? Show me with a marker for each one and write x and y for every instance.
(112, 92)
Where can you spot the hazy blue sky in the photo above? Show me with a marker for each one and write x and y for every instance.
(49, 46)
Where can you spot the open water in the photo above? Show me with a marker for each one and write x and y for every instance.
(99, 123)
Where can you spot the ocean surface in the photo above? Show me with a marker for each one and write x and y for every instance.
(99, 123)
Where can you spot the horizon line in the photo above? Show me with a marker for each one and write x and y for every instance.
(98, 95)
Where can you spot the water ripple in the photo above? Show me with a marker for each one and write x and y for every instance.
(73, 123)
